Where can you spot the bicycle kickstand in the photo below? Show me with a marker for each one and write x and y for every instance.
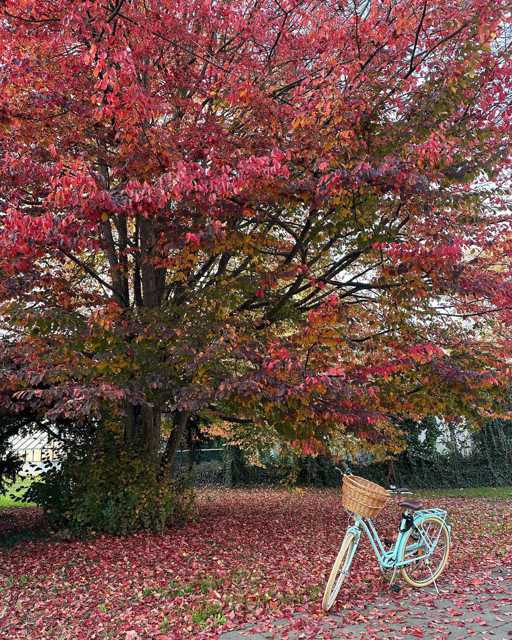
(435, 581)
(393, 585)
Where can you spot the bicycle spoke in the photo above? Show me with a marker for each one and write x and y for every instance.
(427, 557)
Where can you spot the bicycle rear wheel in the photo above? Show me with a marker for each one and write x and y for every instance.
(339, 570)
(425, 569)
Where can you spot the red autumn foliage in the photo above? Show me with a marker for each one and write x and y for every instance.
(250, 556)
(190, 189)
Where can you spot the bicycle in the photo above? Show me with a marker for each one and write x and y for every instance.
(422, 543)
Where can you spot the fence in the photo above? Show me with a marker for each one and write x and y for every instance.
(488, 461)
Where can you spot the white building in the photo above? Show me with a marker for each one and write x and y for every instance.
(36, 450)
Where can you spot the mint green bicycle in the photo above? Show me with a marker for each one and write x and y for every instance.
(420, 551)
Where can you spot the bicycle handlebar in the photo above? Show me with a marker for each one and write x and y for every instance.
(347, 471)
(402, 491)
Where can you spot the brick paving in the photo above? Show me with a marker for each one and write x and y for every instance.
(480, 610)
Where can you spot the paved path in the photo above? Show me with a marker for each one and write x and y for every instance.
(482, 609)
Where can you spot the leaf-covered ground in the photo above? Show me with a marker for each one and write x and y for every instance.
(248, 556)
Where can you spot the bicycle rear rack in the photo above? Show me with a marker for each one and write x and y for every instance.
(422, 513)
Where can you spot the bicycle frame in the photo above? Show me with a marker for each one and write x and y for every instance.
(389, 558)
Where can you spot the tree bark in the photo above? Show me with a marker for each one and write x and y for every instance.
(131, 424)
(152, 278)
(168, 460)
(142, 430)
(150, 423)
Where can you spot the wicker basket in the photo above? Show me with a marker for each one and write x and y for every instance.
(362, 497)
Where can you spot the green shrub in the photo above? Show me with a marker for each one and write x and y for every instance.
(109, 489)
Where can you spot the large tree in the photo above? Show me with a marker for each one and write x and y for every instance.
(282, 213)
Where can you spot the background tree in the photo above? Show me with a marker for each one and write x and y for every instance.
(274, 212)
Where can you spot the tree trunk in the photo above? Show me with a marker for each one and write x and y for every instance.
(233, 466)
(152, 278)
(167, 463)
(142, 430)
(228, 466)
(150, 423)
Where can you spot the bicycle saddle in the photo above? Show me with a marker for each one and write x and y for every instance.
(411, 504)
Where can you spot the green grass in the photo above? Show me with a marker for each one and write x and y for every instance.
(7, 498)
(210, 613)
(469, 492)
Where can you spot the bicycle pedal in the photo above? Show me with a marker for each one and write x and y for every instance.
(395, 588)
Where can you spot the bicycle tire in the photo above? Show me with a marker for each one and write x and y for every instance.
(433, 574)
(339, 571)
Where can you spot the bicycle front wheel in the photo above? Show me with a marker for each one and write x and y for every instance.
(424, 568)
(339, 570)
